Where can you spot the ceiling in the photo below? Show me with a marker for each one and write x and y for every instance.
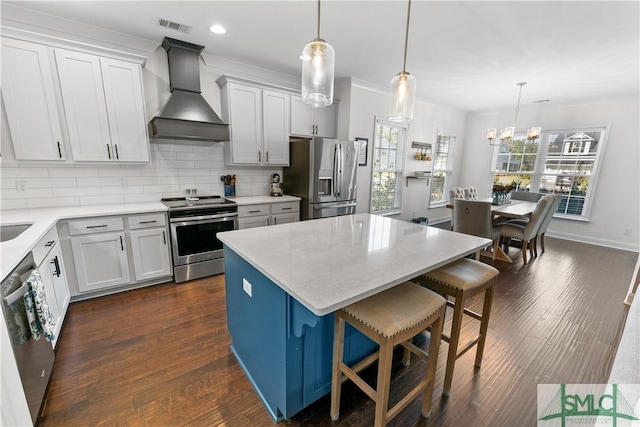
(468, 55)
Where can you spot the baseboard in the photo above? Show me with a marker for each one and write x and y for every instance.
(594, 241)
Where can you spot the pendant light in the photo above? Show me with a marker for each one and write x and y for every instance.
(318, 60)
(403, 87)
(507, 134)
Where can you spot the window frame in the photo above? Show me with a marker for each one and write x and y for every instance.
(448, 170)
(566, 152)
(403, 130)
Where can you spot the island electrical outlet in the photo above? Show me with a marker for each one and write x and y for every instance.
(246, 286)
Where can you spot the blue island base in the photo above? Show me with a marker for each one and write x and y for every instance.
(284, 348)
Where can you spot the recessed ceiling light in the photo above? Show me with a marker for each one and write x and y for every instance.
(218, 29)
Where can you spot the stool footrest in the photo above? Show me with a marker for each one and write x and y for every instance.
(467, 346)
(415, 350)
(406, 400)
(358, 381)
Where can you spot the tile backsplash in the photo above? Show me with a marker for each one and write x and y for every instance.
(173, 168)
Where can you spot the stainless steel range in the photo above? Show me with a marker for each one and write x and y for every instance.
(195, 223)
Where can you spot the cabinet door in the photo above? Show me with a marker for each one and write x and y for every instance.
(276, 127)
(125, 110)
(286, 218)
(245, 117)
(253, 222)
(84, 105)
(325, 121)
(29, 100)
(59, 279)
(100, 261)
(301, 117)
(150, 252)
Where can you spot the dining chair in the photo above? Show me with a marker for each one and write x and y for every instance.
(527, 233)
(455, 193)
(474, 217)
(526, 196)
(557, 198)
(471, 193)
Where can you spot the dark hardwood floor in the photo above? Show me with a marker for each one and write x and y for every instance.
(159, 356)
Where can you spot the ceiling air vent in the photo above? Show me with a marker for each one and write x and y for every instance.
(174, 25)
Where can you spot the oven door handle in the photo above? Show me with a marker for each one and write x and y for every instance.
(204, 218)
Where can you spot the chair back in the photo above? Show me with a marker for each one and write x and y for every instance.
(537, 216)
(473, 217)
(456, 193)
(471, 193)
(525, 195)
(557, 198)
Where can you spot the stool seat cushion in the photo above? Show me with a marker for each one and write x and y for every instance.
(397, 309)
(464, 274)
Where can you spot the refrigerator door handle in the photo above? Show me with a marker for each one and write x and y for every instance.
(341, 170)
(334, 205)
(336, 159)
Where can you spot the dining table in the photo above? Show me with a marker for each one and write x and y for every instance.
(514, 209)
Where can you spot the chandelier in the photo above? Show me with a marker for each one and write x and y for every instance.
(507, 134)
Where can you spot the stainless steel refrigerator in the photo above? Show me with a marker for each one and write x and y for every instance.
(323, 174)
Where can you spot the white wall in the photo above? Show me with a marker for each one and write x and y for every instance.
(616, 203)
(367, 103)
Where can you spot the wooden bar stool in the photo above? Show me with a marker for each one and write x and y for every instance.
(389, 318)
(461, 280)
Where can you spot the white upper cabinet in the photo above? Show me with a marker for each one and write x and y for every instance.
(275, 124)
(312, 121)
(30, 101)
(260, 124)
(103, 104)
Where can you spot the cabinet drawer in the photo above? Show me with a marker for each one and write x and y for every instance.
(95, 225)
(253, 210)
(146, 221)
(285, 207)
(45, 245)
(253, 222)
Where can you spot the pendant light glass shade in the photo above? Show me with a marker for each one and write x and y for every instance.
(402, 97)
(318, 62)
(402, 94)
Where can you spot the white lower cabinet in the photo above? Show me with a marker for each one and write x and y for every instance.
(48, 257)
(118, 251)
(101, 261)
(264, 214)
(149, 248)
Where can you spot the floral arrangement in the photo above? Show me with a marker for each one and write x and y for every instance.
(502, 193)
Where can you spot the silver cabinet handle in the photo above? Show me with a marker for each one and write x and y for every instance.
(59, 150)
(164, 237)
(97, 226)
(147, 222)
(109, 151)
(121, 244)
(259, 156)
(286, 209)
(254, 211)
(117, 155)
(267, 157)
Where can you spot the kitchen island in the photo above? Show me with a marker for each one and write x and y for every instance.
(283, 284)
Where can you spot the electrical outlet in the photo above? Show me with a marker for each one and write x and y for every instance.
(627, 231)
(246, 286)
(123, 184)
(21, 186)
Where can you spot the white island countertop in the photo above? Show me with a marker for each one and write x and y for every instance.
(329, 263)
(12, 251)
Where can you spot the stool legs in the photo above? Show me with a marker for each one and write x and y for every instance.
(384, 382)
(336, 380)
(456, 326)
(432, 361)
(484, 324)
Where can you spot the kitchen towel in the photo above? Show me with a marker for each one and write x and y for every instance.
(14, 314)
(41, 321)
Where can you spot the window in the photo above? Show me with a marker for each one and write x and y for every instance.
(388, 162)
(561, 161)
(441, 177)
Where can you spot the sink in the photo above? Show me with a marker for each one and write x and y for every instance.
(9, 232)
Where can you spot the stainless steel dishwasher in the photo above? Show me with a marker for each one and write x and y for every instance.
(34, 357)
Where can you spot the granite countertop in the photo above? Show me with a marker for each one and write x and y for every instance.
(13, 251)
(329, 263)
(256, 200)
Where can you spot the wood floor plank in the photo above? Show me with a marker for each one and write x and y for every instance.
(159, 356)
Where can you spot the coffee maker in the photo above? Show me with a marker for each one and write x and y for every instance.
(276, 185)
